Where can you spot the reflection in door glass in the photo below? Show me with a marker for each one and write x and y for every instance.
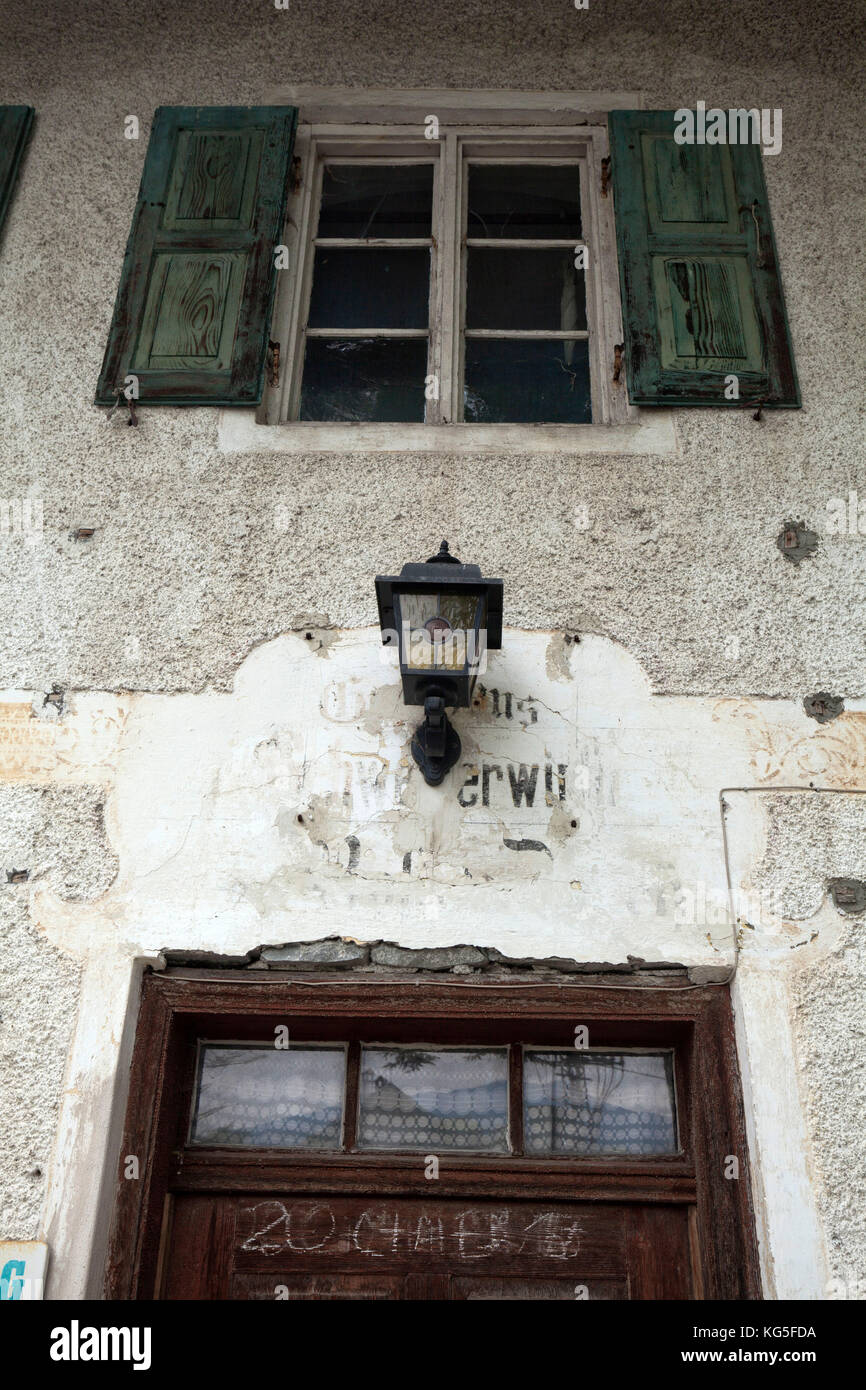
(599, 1102)
(269, 1098)
(433, 1099)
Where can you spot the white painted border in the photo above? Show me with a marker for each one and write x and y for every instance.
(497, 106)
(653, 432)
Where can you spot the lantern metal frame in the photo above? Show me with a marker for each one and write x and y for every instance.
(436, 744)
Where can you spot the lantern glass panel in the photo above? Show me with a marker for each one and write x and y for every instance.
(439, 631)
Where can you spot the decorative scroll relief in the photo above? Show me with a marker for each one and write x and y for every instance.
(81, 745)
(831, 754)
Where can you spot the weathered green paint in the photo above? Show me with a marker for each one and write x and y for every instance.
(701, 292)
(198, 280)
(16, 122)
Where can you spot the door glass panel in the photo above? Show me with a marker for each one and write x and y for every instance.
(524, 201)
(376, 200)
(434, 1099)
(598, 1102)
(270, 1098)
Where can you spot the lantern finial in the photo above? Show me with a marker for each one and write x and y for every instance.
(444, 557)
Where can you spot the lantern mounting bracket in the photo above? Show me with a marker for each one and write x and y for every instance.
(435, 744)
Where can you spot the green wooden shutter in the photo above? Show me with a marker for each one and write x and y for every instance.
(701, 292)
(15, 126)
(197, 286)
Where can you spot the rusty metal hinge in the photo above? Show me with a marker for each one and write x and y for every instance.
(273, 363)
(605, 175)
(618, 349)
(123, 397)
(295, 174)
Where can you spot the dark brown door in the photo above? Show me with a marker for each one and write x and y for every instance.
(393, 1248)
(279, 1189)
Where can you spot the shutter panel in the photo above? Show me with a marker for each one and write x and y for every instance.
(197, 286)
(701, 292)
(15, 125)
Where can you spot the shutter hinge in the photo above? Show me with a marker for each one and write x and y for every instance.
(617, 360)
(605, 175)
(123, 395)
(295, 174)
(273, 364)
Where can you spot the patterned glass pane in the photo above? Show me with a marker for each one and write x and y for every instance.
(269, 1098)
(598, 1102)
(432, 1100)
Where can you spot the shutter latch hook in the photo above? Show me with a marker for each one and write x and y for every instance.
(760, 261)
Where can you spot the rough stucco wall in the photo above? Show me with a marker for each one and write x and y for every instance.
(187, 570)
(57, 835)
(680, 554)
(830, 1028)
(811, 840)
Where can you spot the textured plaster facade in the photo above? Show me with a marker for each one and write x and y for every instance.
(159, 627)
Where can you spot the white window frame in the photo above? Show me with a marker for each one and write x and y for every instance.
(390, 126)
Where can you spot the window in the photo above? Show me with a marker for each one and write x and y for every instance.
(467, 280)
(487, 278)
(504, 284)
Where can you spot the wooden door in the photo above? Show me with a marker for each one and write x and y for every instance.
(335, 1247)
(643, 1210)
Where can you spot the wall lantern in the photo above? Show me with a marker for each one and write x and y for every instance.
(444, 618)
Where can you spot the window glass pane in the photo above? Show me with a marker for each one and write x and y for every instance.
(270, 1098)
(364, 379)
(524, 200)
(370, 288)
(524, 289)
(415, 1098)
(376, 200)
(514, 380)
(598, 1102)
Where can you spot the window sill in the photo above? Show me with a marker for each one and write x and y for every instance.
(653, 432)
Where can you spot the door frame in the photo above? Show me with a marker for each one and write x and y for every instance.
(180, 1005)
